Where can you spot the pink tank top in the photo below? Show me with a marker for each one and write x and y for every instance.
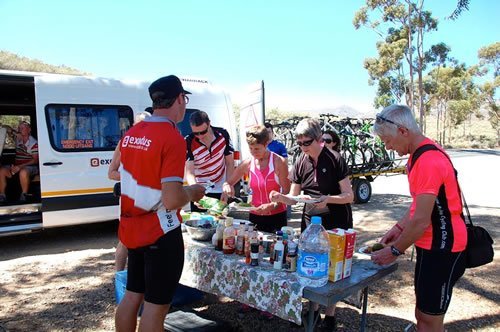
(262, 182)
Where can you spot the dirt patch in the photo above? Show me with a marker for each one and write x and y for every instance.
(62, 280)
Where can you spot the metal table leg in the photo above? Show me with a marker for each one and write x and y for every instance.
(311, 320)
(363, 315)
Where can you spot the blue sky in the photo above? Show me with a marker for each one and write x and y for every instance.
(307, 52)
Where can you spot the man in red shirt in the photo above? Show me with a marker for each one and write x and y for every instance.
(153, 155)
(434, 222)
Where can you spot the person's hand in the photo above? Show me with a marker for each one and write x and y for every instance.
(322, 203)
(383, 256)
(228, 189)
(195, 192)
(264, 209)
(14, 169)
(391, 236)
(224, 197)
(275, 196)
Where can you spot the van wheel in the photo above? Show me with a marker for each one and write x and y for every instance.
(362, 190)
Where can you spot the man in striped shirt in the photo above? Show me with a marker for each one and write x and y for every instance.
(210, 158)
(26, 162)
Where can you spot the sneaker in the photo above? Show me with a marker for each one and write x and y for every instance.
(24, 197)
(329, 323)
(3, 199)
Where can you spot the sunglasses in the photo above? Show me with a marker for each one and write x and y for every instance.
(327, 140)
(379, 119)
(199, 133)
(305, 143)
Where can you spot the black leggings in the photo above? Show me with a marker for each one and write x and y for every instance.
(269, 224)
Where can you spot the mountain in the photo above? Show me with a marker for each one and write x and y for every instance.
(343, 112)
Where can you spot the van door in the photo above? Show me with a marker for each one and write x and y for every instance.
(76, 144)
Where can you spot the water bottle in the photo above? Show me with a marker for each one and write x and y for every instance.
(313, 255)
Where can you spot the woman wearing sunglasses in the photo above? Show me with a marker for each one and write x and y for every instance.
(324, 175)
(331, 140)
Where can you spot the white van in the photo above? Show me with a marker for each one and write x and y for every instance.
(78, 122)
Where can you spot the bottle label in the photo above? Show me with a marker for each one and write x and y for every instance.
(229, 243)
(313, 265)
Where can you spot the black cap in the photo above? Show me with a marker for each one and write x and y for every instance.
(166, 88)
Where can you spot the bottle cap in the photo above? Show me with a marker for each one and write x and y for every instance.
(316, 220)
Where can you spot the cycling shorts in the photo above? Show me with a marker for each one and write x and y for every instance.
(435, 276)
(155, 270)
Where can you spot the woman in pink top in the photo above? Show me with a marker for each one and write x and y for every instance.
(267, 172)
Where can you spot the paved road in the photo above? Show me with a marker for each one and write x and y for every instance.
(478, 173)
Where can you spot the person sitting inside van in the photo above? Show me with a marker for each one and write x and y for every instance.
(26, 162)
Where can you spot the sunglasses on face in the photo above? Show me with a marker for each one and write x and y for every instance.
(327, 140)
(379, 119)
(198, 133)
(305, 143)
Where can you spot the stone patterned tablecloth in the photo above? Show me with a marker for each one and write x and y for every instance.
(261, 287)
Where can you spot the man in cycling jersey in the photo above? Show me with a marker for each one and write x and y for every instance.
(433, 223)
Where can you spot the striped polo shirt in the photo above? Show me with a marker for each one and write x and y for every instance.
(209, 161)
(25, 151)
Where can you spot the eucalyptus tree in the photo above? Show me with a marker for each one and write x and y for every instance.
(452, 92)
(402, 25)
(489, 57)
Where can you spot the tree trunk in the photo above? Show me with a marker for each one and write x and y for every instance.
(410, 57)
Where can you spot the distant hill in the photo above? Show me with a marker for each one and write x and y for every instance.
(11, 61)
(343, 112)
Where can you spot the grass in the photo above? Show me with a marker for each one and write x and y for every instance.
(476, 134)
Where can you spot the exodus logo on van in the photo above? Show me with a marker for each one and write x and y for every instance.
(96, 162)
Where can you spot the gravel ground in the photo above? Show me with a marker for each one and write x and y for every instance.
(63, 281)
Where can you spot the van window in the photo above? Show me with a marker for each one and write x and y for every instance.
(87, 127)
(13, 122)
(184, 126)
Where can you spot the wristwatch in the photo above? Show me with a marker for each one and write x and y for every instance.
(395, 251)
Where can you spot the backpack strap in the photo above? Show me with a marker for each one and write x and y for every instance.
(431, 147)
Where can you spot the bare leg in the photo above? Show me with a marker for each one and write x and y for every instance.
(126, 313)
(153, 317)
(24, 179)
(4, 174)
(429, 323)
(120, 256)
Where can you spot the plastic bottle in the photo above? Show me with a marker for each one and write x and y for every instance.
(313, 255)
(228, 243)
(278, 251)
(250, 236)
(285, 246)
(240, 239)
(290, 264)
(219, 232)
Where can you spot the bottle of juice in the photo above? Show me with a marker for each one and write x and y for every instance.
(250, 235)
(219, 232)
(228, 242)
